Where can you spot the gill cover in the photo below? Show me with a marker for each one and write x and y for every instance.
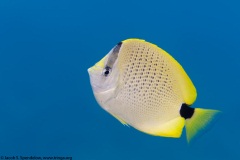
(104, 74)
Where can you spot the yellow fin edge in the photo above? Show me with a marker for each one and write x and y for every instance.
(172, 128)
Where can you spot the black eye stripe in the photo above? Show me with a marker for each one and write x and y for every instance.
(113, 55)
(112, 59)
(107, 68)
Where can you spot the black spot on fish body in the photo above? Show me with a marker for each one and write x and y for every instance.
(186, 111)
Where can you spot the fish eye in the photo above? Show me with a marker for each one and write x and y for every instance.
(106, 71)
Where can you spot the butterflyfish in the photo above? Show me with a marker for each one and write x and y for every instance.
(143, 86)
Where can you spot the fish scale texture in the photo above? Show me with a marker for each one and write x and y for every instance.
(149, 95)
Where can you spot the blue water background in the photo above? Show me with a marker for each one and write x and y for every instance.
(46, 103)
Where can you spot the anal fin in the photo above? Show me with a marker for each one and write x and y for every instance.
(120, 120)
(172, 128)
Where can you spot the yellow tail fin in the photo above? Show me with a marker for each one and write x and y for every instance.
(199, 121)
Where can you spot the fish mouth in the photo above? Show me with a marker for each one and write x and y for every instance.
(89, 70)
(92, 72)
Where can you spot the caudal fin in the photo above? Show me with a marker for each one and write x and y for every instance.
(200, 119)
